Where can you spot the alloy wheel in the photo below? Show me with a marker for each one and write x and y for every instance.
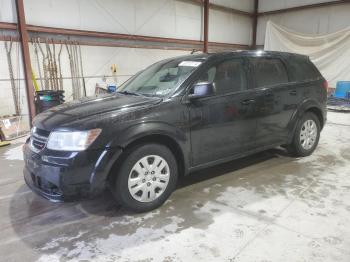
(308, 134)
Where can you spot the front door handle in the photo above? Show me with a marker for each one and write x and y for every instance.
(248, 102)
(293, 92)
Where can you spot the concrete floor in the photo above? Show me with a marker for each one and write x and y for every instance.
(266, 207)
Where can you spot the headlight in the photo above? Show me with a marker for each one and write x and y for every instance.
(72, 140)
(33, 130)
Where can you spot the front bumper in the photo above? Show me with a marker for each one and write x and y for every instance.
(47, 190)
(64, 176)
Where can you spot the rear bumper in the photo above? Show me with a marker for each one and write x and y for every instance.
(66, 176)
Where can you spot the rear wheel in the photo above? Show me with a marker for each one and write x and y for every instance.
(306, 137)
(146, 178)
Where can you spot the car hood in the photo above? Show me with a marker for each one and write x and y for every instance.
(87, 107)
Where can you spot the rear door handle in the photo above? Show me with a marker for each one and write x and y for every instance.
(293, 92)
(248, 102)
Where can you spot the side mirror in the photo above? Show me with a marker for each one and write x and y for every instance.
(202, 89)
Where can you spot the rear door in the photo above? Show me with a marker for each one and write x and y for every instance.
(276, 99)
(307, 79)
(223, 125)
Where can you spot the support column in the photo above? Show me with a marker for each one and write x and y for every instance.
(206, 24)
(23, 35)
(255, 23)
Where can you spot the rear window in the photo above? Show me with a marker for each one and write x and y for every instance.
(302, 69)
(269, 71)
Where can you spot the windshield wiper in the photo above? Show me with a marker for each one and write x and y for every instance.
(128, 93)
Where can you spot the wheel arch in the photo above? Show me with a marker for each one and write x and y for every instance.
(163, 138)
(306, 106)
(318, 113)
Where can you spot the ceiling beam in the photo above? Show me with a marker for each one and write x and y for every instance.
(304, 7)
(205, 25)
(8, 26)
(115, 36)
(255, 23)
(219, 7)
(97, 34)
(23, 37)
(197, 46)
(229, 10)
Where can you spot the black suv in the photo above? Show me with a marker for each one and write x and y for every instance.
(176, 116)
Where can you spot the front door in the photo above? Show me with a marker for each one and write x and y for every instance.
(224, 124)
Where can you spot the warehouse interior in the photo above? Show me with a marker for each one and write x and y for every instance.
(265, 207)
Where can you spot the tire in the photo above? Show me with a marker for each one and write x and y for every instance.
(305, 145)
(140, 184)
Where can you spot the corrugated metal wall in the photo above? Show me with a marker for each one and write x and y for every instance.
(161, 18)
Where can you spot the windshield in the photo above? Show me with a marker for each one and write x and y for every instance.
(160, 79)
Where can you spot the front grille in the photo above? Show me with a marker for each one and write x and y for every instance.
(38, 139)
(45, 186)
(39, 145)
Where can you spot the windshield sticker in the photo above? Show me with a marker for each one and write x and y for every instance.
(190, 63)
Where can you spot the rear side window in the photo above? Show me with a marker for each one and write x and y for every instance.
(268, 71)
(302, 69)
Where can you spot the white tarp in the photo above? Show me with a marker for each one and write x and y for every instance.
(330, 52)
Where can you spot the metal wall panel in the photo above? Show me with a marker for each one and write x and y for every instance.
(245, 5)
(8, 11)
(269, 5)
(229, 28)
(162, 18)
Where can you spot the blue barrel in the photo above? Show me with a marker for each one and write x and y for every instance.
(342, 90)
(112, 89)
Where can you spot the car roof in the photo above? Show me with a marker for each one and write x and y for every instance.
(239, 53)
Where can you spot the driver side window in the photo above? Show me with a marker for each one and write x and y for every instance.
(209, 75)
(227, 76)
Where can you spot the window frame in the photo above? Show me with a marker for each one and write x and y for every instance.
(245, 65)
(309, 64)
(252, 72)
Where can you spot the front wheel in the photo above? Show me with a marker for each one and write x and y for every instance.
(146, 178)
(306, 137)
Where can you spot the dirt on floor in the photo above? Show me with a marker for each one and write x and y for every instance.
(265, 207)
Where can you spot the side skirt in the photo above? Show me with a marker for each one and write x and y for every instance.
(230, 158)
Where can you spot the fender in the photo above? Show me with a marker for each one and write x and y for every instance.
(134, 132)
(299, 111)
(144, 129)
